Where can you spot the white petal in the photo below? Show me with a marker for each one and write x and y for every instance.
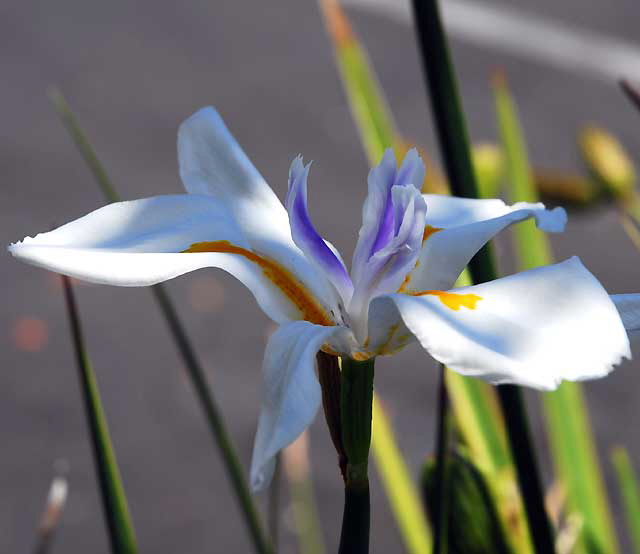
(628, 306)
(140, 242)
(213, 163)
(535, 328)
(291, 395)
(467, 224)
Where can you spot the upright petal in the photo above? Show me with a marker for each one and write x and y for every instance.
(377, 212)
(535, 328)
(386, 269)
(291, 395)
(307, 238)
(144, 242)
(213, 163)
(458, 227)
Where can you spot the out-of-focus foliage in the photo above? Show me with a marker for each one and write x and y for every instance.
(474, 526)
(295, 461)
(568, 425)
(399, 487)
(630, 492)
(607, 161)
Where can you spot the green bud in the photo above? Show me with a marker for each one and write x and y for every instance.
(564, 187)
(474, 526)
(607, 161)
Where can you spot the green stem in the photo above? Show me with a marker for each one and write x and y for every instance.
(454, 143)
(114, 502)
(356, 407)
(442, 485)
(194, 369)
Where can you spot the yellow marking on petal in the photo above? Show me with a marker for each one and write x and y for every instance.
(361, 356)
(429, 230)
(281, 277)
(453, 300)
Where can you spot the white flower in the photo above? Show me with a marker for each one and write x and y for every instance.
(535, 328)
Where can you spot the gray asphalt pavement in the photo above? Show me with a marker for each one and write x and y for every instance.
(133, 71)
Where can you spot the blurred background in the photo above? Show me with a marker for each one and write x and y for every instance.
(133, 71)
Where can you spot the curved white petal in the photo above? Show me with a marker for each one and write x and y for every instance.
(291, 395)
(213, 163)
(628, 306)
(534, 328)
(141, 242)
(462, 226)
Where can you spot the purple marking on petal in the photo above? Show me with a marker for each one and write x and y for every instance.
(305, 235)
(385, 228)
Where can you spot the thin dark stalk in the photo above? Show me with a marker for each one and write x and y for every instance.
(512, 404)
(194, 369)
(121, 533)
(354, 536)
(454, 143)
(442, 484)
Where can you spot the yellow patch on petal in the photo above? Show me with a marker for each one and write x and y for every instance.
(281, 277)
(453, 300)
(428, 231)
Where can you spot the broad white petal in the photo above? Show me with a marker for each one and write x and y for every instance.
(140, 243)
(628, 306)
(462, 226)
(291, 395)
(534, 328)
(213, 163)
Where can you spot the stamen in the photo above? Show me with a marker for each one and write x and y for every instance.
(281, 277)
(453, 300)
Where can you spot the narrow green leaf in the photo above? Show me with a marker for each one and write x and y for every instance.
(630, 492)
(114, 501)
(194, 369)
(572, 443)
(398, 483)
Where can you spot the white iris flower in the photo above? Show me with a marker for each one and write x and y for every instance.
(535, 328)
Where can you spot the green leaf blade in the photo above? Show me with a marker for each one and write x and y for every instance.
(114, 501)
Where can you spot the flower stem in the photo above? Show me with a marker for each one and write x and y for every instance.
(354, 537)
(454, 143)
(356, 408)
(194, 369)
(440, 510)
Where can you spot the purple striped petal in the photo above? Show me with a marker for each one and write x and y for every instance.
(380, 220)
(307, 238)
